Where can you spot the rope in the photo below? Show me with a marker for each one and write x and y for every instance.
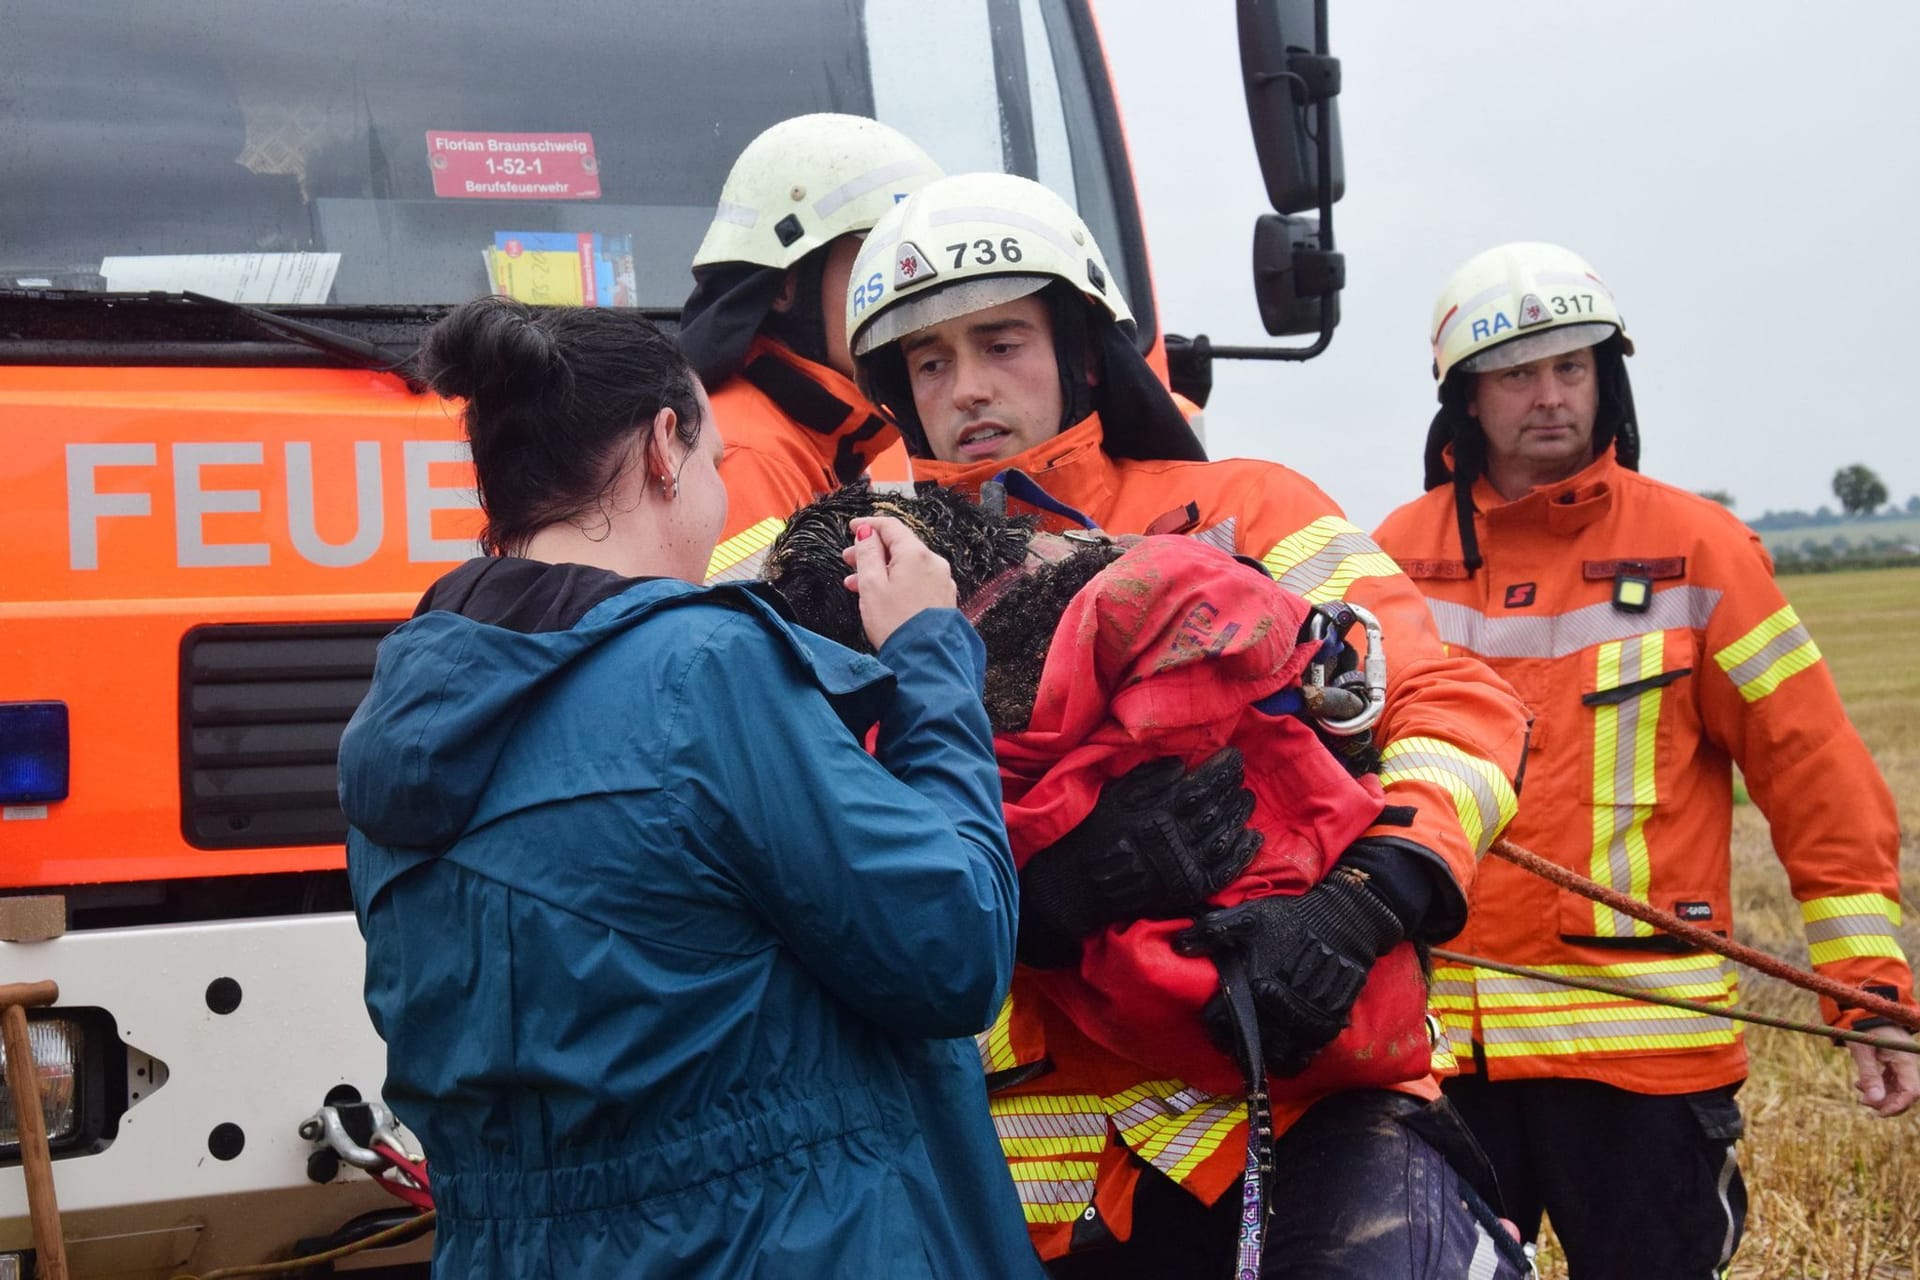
(399, 1233)
(1679, 1002)
(1844, 994)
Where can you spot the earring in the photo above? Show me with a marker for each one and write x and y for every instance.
(670, 487)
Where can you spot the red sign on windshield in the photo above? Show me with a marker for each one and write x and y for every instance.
(513, 166)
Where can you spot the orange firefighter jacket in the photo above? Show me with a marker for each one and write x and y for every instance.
(1643, 628)
(1453, 736)
(793, 430)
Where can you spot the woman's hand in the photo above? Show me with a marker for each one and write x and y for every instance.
(895, 575)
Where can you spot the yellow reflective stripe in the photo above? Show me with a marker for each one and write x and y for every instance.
(1625, 736)
(1847, 925)
(1693, 978)
(748, 541)
(1483, 799)
(1172, 1126)
(1857, 945)
(1325, 559)
(1054, 1190)
(1851, 904)
(1762, 659)
(996, 1042)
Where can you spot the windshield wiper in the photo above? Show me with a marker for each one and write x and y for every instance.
(356, 352)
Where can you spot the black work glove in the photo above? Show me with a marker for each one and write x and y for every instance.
(1158, 843)
(1307, 957)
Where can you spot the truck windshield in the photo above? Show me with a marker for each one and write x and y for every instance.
(376, 153)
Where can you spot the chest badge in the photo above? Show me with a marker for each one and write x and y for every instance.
(1520, 595)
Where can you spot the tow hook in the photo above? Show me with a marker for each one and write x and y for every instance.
(349, 1131)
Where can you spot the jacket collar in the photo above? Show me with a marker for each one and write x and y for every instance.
(1071, 466)
(1564, 507)
(838, 423)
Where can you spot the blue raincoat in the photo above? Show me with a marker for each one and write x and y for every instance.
(675, 978)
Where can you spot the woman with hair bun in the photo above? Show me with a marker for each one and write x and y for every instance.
(674, 976)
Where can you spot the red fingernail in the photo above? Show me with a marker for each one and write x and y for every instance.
(863, 532)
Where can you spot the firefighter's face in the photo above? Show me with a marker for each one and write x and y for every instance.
(1540, 415)
(987, 385)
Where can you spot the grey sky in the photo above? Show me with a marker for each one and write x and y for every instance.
(1744, 175)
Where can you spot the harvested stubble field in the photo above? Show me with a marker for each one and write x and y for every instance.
(1835, 1191)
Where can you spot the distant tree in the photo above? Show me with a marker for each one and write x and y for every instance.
(1913, 504)
(1858, 489)
(1720, 496)
(1824, 515)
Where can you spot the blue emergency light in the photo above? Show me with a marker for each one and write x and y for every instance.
(34, 751)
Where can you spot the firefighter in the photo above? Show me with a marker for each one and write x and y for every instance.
(762, 326)
(1644, 629)
(985, 322)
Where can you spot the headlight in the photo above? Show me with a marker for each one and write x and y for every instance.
(58, 1050)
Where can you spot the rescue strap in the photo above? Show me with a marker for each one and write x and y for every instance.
(1018, 484)
(399, 1233)
(1678, 1002)
(1238, 993)
(1842, 993)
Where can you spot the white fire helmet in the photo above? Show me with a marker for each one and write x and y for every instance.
(967, 243)
(1521, 302)
(807, 181)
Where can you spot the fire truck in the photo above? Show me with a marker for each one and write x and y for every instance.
(223, 230)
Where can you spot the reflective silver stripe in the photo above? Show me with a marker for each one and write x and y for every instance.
(1558, 635)
(871, 180)
(1467, 308)
(1483, 796)
(1055, 1191)
(1035, 1124)
(1503, 985)
(1010, 217)
(739, 215)
(1220, 535)
(1727, 1169)
(1486, 1256)
(1692, 1024)
(1154, 1107)
(1771, 652)
(1835, 927)
(1322, 564)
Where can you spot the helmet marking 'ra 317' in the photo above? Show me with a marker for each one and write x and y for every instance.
(967, 243)
(1521, 302)
(807, 181)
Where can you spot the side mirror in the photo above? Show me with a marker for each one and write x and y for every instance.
(1288, 76)
(1295, 281)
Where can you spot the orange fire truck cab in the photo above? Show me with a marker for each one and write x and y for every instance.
(222, 234)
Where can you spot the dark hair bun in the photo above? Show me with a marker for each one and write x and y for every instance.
(497, 350)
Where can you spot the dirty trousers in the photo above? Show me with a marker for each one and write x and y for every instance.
(1358, 1193)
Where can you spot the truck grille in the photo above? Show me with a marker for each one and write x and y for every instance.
(261, 713)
